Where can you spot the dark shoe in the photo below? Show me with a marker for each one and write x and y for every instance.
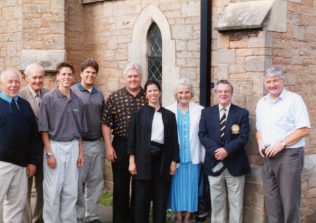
(200, 219)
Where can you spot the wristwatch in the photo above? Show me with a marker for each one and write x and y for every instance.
(283, 143)
(49, 154)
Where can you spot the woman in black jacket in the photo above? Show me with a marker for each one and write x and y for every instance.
(154, 151)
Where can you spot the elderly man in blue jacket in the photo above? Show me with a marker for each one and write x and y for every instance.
(224, 131)
(20, 146)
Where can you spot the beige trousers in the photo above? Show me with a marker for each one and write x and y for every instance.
(13, 192)
(223, 188)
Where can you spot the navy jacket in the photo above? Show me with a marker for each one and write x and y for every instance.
(20, 142)
(236, 133)
(139, 135)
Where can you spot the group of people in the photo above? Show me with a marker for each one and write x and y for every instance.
(157, 153)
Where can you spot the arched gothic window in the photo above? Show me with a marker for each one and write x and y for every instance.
(154, 53)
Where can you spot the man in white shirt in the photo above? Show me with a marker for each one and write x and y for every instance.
(282, 123)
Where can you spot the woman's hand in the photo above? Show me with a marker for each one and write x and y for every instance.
(132, 166)
(173, 168)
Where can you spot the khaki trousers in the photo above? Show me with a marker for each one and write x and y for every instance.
(223, 188)
(13, 192)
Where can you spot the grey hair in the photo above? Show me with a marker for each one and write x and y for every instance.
(183, 82)
(274, 71)
(9, 71)
(224, 82)
(132, 66)
(32, 68)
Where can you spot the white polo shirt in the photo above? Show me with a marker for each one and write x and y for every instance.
(276, 119)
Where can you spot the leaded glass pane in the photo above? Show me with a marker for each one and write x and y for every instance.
(154, 54)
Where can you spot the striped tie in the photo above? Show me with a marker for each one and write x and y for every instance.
(222, 125)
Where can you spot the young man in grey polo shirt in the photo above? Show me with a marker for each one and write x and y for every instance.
(91, 174)
(61, 123)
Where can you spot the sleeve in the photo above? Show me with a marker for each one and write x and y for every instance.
(84, 124)
(108, 114)
(300, 114)
(43, 120)
(206, 140)
(175, 154)
(241, 140)
(132, 134)
(36, 144)
(258, 116)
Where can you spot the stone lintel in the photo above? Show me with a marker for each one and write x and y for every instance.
(244, 15)
(46, 58)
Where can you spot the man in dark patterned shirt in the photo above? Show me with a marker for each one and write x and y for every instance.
(117, 112)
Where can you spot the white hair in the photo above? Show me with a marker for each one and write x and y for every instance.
(132, 66)
(274, 71)
(33, 68)
(183, 82)
(6, 72)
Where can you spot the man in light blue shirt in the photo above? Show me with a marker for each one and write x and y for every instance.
(282, 123)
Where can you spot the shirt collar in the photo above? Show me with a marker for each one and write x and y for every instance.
(140, 93)
(7, 98)
(34, 94)
(220, 107)
(81, 88)
(61, 95)
(281, 96)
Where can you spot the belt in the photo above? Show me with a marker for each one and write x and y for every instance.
(90, 140)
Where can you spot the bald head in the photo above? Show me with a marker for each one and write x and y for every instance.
(10, 82)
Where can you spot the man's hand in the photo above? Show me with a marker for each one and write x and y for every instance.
(220, 154)
(80, 160)
(110, 153)
(273, 150)
(261, 147)
(30, 170)
(51, 162)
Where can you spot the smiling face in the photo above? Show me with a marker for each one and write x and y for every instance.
(132, 80)
(88, 77)
(10, 83)
(35, 80)
(153, 94)
(65, 77)
(224, 94)
(183, 95)
(274, 85)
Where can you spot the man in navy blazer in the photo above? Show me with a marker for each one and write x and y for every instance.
(224, 131)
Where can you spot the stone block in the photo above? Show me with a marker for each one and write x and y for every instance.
(255, 63)
(47, 58)
(182, 32)
(225, 56)
(189, 9)
(181, 45)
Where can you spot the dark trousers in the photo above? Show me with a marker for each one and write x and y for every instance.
(282, 185)
(156, 190)
(121, 183)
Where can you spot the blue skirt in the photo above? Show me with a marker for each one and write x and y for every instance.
(184, 188)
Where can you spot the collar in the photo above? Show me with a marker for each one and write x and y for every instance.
(7, 98)
(141, 92)
(33, 93)
(220, 107)
(281, 96)
(81, 88)
(61, 95)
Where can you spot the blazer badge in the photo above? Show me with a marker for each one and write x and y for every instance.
(235, 129)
